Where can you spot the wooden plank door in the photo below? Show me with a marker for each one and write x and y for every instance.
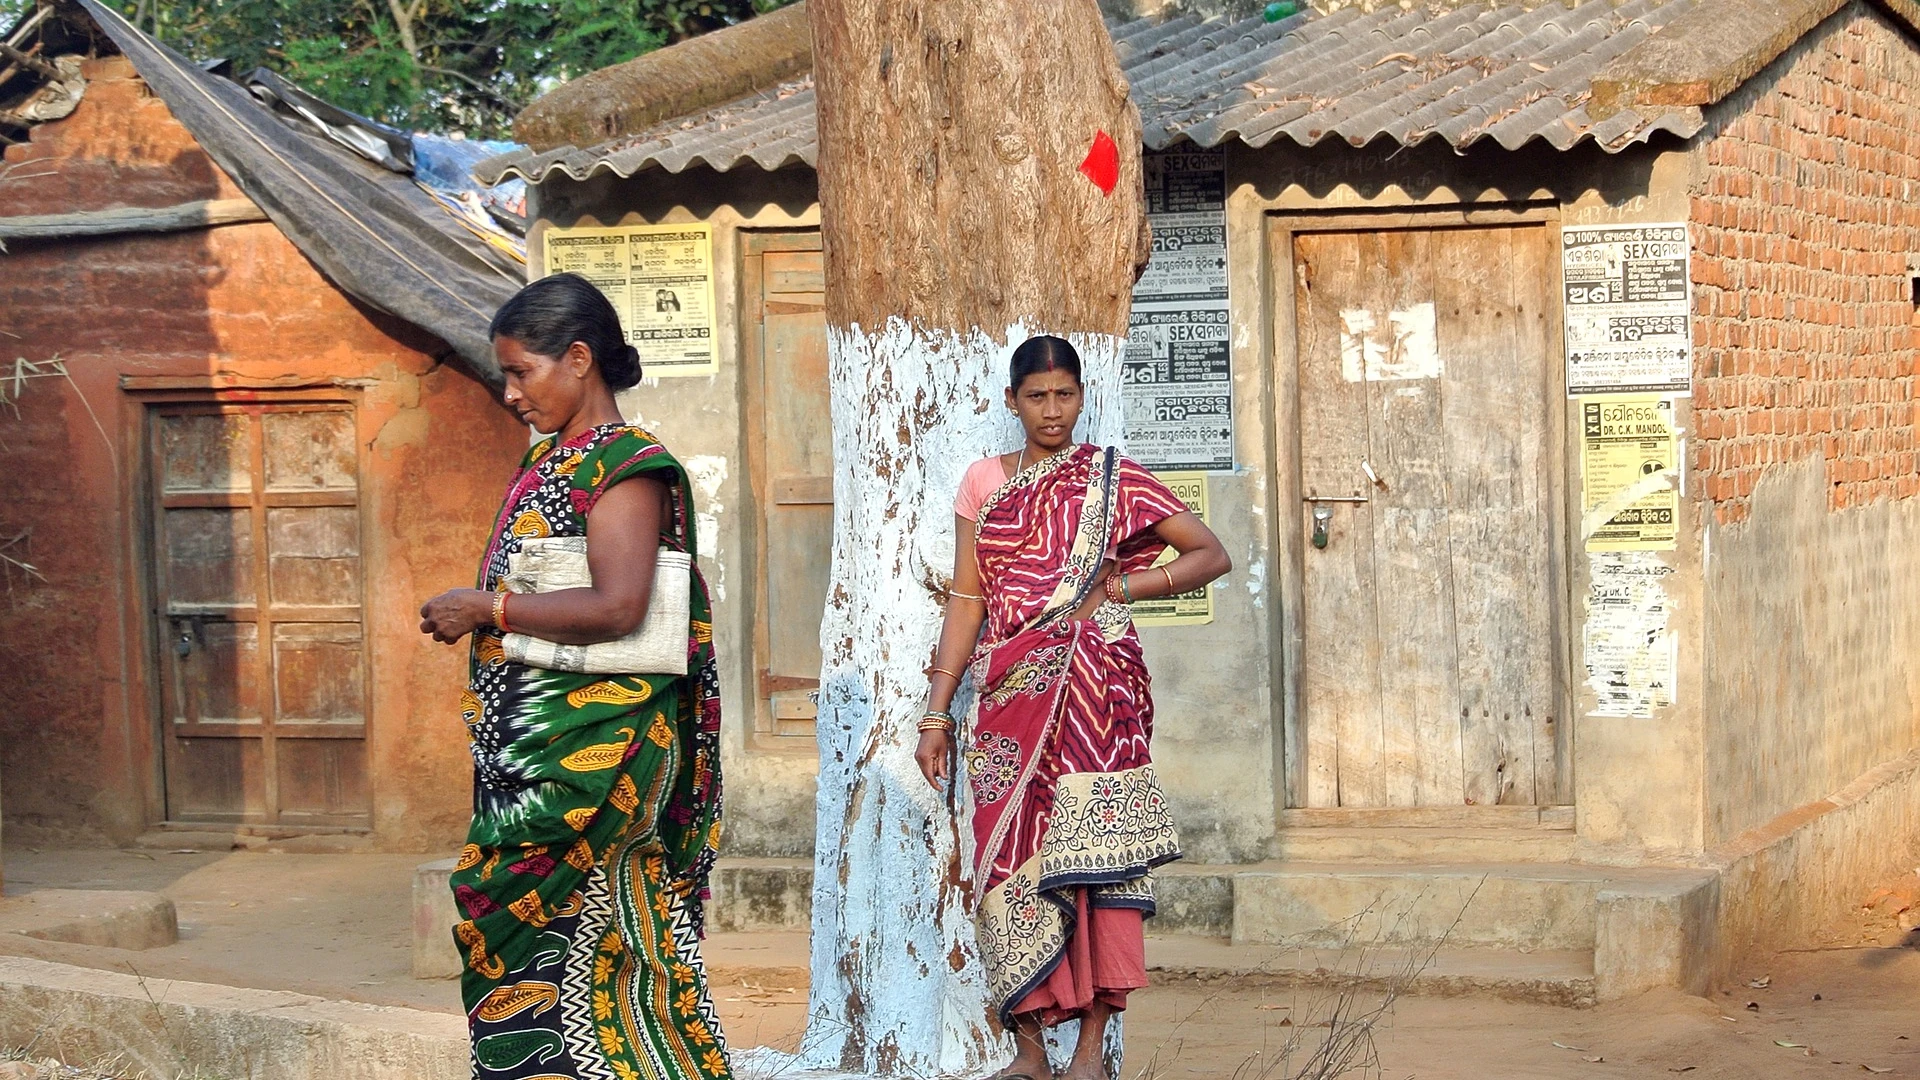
(258, 585)
(791, 433)
(1430, 671)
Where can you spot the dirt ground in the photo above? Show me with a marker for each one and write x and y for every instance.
(338, 925)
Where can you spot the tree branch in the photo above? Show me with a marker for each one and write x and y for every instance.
(484, 89)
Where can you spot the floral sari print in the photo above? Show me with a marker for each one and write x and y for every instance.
(596, 815)
(1064, 795)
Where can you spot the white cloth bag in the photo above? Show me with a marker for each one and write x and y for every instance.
(657, 647)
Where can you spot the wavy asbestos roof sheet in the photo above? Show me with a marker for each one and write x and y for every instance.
(1510, 72)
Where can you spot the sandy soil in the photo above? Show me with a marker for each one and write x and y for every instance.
(338, 926)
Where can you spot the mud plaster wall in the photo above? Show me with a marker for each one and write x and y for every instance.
(78, 722)
(769, 781)
(1805, 388)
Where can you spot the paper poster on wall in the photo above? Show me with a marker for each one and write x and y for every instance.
(1628, 297)
(1629, 458)
(1178, 368)
(1631, 657)
(660, 279)
(1186, 609)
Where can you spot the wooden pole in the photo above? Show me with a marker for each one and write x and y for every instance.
(131, 219)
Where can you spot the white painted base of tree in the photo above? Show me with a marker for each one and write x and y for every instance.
(897, 983)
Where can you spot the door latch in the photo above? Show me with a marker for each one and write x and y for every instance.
(1323, 514)
(187, 634)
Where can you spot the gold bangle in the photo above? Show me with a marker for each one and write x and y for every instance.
(932, 671)
(1171, 588)
(958, 595)
(937, 723)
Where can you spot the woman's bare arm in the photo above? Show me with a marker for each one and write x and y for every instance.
(959, 632)
(623, 541)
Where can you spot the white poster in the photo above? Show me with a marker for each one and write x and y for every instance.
(660, 280)
(1631, 655)
(1179, 373)
(1629, 294)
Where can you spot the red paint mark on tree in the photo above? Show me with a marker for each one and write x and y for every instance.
(1102, 165)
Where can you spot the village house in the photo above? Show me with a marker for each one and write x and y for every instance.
(1548, 369)
(247, 430)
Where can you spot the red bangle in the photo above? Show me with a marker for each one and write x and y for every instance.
(500, 611)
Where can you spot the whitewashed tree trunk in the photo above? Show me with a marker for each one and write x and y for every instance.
(956, 223)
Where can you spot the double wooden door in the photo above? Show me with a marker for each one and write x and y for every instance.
(257, 581)
(1431, 652)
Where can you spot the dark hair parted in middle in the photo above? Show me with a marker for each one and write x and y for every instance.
(1043, 353)
(551, 314)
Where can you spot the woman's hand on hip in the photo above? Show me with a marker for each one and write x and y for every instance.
(456, 613)
(935, 757)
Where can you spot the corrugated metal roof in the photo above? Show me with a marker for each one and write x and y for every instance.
(1510, 72)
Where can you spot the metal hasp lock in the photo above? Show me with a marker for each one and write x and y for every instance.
(1323, 514)
(188, 629)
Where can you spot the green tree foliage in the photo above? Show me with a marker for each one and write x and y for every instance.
(441, 65)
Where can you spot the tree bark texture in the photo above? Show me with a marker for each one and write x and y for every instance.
(956, 222)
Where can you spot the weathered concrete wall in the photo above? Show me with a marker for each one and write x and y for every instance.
(770, 786)
(1787, 880)
(239, 304)
(168, 1028)
(1814, 669)
(1805, 395)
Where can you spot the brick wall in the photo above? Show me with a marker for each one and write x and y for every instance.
(1805, 212)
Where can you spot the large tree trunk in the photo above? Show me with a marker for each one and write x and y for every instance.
(956, 222)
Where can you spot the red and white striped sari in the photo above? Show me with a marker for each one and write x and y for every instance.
(1068, 819)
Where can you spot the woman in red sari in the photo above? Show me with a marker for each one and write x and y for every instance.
(1054, 542)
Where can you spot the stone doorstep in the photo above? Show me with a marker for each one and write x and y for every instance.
(172, 836)
(1558, 933)
(113, 918)
(170, 1028)
(1563, 977)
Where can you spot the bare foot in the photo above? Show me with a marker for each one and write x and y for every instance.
(1030, 1057)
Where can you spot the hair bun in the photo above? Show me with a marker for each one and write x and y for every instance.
(621, 368)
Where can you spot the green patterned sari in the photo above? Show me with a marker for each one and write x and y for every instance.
(596, 816)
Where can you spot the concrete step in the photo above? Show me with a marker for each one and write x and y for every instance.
(1536, 906)
(776, 963)
(1560, 977)
(115, 919)
(1423, 845)
(297, 840)
(1557, 932)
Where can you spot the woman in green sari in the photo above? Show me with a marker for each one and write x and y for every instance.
(596, 796)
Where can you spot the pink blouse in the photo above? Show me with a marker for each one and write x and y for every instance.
(983, 478)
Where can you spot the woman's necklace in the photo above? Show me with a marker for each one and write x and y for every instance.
(1023, 458)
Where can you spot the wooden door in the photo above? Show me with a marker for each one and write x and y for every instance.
(258, 586)
(1430, 671)
(791, 437)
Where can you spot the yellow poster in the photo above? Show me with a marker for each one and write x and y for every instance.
(1629, 460)
(660, 279)
(1187, 609)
